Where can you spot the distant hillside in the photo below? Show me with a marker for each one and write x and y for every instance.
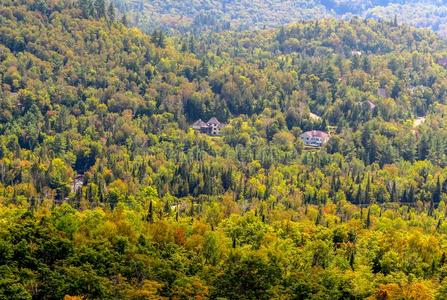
(416, 14)
(219, 15)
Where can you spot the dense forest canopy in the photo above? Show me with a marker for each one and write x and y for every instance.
(107, 193)
(218, 15)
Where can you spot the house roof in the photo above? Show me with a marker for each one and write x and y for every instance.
(214, 120)
(316, 133)
(370, 104)
(199, 123)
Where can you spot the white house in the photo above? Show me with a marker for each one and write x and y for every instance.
(315, 138)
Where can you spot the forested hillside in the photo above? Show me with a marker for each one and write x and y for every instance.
(218, 15)
(107, 193)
